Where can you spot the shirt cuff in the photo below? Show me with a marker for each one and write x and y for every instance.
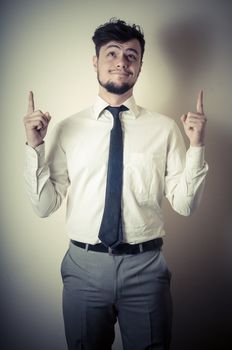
(35, 157)
(195, 157)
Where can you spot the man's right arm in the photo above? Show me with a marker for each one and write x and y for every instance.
(46, 184)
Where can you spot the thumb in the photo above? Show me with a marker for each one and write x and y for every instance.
(48, 116)
(183, 118)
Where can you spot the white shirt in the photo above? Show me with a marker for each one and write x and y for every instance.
(156, 165)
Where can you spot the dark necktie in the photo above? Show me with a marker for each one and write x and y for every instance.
(110, 232)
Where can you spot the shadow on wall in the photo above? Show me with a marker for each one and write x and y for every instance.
(188, 49)
(201, 257)
(187, 46)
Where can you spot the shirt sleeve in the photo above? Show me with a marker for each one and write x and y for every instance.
(185, 174)
(47, 180)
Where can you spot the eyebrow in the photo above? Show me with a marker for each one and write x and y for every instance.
(118, 47)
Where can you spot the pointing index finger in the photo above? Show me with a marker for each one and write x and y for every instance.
(200, 109)
(31, 105)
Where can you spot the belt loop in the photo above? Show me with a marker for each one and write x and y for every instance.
(110, 251)
(87, 246)
(140, 247)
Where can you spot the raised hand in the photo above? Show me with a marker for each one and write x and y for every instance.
(195, 123)
(36, 123)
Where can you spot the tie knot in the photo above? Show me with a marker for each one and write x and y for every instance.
(116, 110)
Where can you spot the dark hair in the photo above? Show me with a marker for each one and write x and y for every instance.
(117, 30)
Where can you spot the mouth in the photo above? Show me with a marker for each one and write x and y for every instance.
(120, 73)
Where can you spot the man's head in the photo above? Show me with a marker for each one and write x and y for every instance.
(117, 30)
(119, 52)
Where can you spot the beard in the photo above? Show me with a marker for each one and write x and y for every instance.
(114, 88)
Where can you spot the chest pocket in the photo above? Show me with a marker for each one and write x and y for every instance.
(143, 176)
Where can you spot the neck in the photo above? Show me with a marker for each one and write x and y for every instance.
(113, 99)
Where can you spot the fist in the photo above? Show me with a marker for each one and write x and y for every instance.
(36, 123)
(195, 123)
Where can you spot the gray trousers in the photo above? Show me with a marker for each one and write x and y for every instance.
(100, 288)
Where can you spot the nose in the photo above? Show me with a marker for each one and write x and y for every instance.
(122, 62)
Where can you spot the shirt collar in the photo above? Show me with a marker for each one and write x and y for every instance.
(101, 104)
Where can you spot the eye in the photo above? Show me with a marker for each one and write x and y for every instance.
(111, 54)
(132, 57)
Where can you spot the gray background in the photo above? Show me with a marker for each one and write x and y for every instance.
(46, 47)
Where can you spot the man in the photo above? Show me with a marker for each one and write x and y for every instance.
(117, 160)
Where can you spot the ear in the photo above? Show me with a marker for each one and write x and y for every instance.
(95, 61)
(140, 67)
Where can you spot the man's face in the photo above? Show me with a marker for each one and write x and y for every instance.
(118, 65)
